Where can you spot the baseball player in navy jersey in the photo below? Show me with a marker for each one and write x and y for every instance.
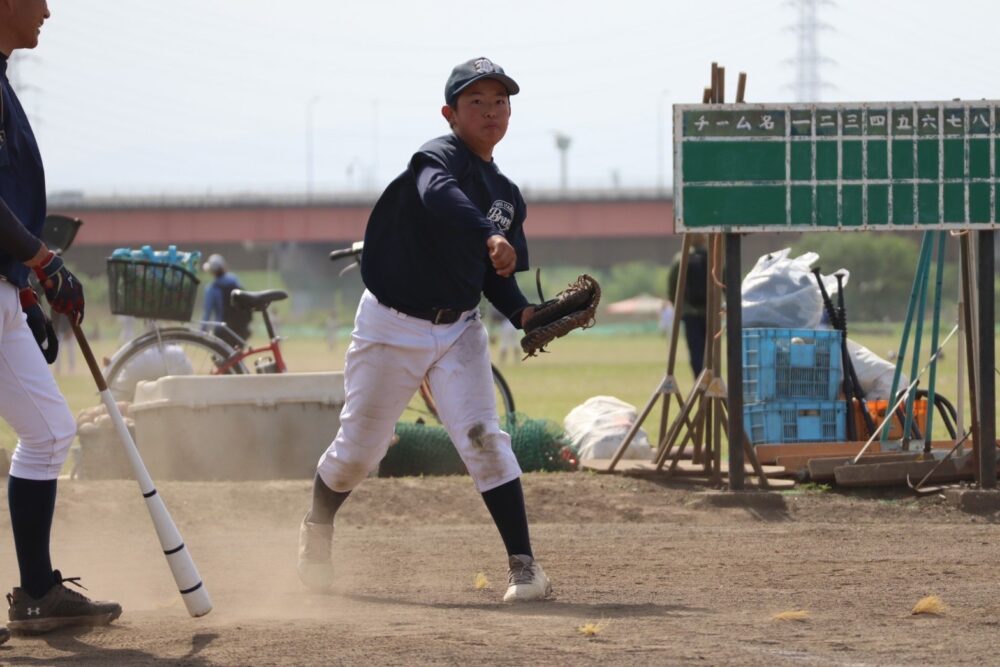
(30, 400)
(445, 232)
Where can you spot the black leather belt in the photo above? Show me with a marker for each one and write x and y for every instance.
(432, 315)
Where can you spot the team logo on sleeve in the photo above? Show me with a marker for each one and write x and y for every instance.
(501, 214)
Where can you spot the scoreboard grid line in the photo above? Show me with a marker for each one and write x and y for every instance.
(993, 162)
(941, 164)
(864, 166)
(840, 166)
(813, 152)
(916, 168)
(888, 150)
(965, 164)
(819, 138)
(848, 181)
(788, 173)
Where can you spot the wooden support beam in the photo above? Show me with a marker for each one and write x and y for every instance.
(896, 473)
(822, 469)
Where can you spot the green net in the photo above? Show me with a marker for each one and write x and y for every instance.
(426, 449)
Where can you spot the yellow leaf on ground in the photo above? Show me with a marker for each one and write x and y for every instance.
(481, 582)
(931, 604)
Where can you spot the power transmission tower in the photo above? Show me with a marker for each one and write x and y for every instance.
(808, 60)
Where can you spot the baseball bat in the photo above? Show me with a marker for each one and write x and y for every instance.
(182, 566)
(831, 313)
(859, 392)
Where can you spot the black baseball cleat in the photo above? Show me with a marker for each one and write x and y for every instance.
(4, 635)
(60, 607)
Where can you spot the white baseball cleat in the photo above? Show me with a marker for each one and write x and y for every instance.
(315, 563)
(526, 580)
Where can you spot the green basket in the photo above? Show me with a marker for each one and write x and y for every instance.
(151, 290)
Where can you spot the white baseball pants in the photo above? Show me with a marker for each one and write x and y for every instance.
(389, 355)
(30, 400)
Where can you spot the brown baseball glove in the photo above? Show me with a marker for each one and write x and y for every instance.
(573, 308)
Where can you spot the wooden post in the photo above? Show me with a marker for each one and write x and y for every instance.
(987, 361)
(734, 360)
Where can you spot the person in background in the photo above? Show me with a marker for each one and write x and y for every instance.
(667, 318)
(694, 312)
(218, 307)
(507, 341)
(67, 343)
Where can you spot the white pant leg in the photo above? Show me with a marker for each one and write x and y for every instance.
(462, 384)
(386, 361)
(30, 400)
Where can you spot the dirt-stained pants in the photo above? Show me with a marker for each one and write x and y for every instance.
(389, 355)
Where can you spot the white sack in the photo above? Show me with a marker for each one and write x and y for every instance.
(596, 428)
(874, 373)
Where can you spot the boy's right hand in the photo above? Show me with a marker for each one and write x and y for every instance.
(502, 255)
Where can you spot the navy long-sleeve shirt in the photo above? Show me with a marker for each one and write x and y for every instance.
(425, 244)
(22, 186)
(215, 296)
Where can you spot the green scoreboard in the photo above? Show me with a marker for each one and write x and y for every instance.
(800, 167)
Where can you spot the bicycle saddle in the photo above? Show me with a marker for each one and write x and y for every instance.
(256, 300)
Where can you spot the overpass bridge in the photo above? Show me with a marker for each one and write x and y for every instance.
(592, 228)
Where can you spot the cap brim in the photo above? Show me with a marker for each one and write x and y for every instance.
(508, 83)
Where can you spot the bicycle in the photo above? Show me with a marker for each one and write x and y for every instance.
(153, 292)
(422, 407)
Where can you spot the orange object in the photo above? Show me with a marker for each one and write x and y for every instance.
(877, 410)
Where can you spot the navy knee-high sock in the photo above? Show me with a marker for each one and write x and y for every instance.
(326, 502)
(32, 504)
(506, 506)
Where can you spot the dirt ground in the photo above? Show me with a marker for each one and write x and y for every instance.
(669, 575)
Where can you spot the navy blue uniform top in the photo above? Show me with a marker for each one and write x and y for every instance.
(22, 186)
(425, 244)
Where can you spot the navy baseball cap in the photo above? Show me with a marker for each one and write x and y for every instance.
(469, 72)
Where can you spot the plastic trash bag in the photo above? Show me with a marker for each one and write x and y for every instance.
(596, 428)
(874, 373)
(781, 292)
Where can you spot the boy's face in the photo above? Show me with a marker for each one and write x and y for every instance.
(20, 23)
(480, 115)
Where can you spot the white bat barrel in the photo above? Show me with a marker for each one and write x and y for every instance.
(182, 566)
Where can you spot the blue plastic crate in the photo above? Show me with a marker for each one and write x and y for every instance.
(779, 422)
(786, 364)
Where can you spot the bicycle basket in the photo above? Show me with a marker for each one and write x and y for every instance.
(151, 290)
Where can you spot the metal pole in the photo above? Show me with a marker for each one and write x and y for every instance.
(922, 263)
(966, 263)
(935, 330)
(987, 361)
(734, 360)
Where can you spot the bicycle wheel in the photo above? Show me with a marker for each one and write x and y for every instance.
(161, 352)
(422, 408)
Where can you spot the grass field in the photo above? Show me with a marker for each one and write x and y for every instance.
(590, 363)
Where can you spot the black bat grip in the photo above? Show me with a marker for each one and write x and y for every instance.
(841, 309)
(827, 303)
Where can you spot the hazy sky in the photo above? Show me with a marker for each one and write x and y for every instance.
(195, 96)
